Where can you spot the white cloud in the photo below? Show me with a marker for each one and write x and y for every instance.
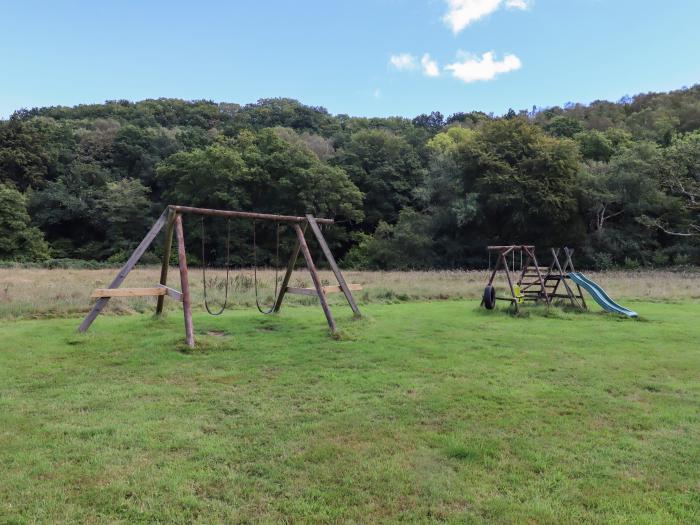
(474, 68)
(461, 13)
(430, 66)
(403, 61)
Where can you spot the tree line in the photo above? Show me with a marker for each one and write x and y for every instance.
(619, 181)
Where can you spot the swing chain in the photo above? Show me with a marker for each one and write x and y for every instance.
(255, 270)
(228, 266)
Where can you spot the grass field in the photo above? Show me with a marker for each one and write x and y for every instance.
(51, 293)
(422, 412)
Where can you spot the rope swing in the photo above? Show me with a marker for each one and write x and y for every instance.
(204, 269)
(255, 270)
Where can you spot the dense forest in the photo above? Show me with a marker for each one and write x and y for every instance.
(618, 181)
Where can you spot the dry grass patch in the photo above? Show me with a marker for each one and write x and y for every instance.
(58, 292)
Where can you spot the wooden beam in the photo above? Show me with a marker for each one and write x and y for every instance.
(326, 289)
(128, 266)
(334, 266)
(337, 289)
(171, 292)
(166, 256)
(184, 281)
(288, 275)
(302, 291)
(245, 215)
(315, 278)
(128, 292)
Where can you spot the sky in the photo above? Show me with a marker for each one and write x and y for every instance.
(358, 57)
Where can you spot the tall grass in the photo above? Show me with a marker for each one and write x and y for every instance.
(60, 292)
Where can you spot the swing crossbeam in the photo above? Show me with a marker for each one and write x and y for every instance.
(246, 215)
(171, 220)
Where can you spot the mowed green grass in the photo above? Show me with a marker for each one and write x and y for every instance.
(419, 413)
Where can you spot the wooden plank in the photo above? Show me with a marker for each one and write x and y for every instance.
(128, 266)
(302, 291)
(331, 261)
(315, 278)
(128, 292)
(326, 289)
(510, 247)
(166, 257)
(245, 215)
(171, 292)
(184, 282)
(337, 289)
(570, 264)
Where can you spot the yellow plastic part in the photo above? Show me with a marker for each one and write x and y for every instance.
(518, 293)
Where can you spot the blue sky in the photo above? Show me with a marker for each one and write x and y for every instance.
(358, 57)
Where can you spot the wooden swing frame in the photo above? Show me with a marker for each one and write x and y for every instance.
(536, 283)
(171, 219)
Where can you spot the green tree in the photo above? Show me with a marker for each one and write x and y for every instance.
(407, 245)
(386, 169)
(561, 126)
(19, 240)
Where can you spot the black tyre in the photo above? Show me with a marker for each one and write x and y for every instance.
(489, 297)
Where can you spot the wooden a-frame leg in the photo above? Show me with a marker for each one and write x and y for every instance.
(184, 282)
(570, 264)
(287, 276)
(128, 266)
(166, 258)
(314, 277)
(510, 282)
(331, 261)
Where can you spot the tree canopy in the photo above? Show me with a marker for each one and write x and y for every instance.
(618, 180)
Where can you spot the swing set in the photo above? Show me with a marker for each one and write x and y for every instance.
(532, 282)
(171, 219)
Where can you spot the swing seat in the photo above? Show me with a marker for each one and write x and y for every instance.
(519, 296)
(326, 289)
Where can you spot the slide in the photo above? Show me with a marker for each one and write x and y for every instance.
(599, 295)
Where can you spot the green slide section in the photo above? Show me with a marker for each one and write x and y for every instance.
(599, 295)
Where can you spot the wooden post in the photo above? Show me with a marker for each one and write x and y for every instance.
(288, 275)
(531, 252)
(166, 257)
(570, 264)
(334, 266)
(510, 281)
(128, 266)
(184, 281)
(562, 278)
(314, 277)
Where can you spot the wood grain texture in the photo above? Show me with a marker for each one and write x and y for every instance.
(128, 292)
(184, 282)
(128, 266)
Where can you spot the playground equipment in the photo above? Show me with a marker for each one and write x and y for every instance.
(171, 218)
(532, 282)
(544, 284)
(599, 295)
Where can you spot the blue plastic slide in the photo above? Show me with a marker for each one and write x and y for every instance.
(599, 295)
